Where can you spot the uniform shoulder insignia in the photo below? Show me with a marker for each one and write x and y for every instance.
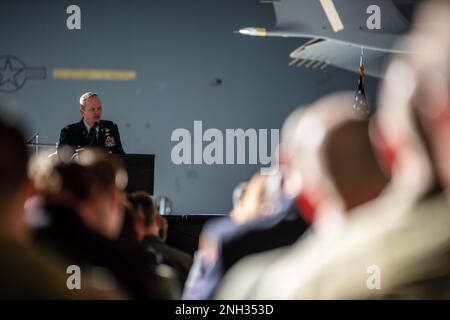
(70, 126)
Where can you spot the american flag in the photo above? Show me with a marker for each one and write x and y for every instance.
(361, 107)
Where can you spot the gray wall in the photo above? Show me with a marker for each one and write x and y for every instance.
(178, 48)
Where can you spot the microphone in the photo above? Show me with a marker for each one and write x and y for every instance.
(32, 138)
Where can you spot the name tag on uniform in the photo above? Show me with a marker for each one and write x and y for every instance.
(110, 142)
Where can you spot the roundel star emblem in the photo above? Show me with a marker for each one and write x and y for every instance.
(14, 73)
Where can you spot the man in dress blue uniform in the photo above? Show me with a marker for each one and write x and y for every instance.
(91, 131)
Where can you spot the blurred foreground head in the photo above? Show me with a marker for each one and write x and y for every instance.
(14, 184)
(331, 152)
(92, 184)
(416, 81)
(147, 217)
(429, 95)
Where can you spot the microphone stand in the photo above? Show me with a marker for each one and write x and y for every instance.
(37, 143)
(35, 137)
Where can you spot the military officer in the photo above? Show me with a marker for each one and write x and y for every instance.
(91, 131)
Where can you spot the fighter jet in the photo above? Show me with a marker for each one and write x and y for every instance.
(340, 31)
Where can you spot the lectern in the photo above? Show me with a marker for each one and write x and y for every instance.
(141, 172)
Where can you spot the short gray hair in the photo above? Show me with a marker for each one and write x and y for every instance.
(86, 96)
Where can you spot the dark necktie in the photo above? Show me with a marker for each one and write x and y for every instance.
(92, 135)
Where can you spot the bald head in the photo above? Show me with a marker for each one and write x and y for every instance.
(350, 163)
(91, 107)
(314, 123)
(332, 152)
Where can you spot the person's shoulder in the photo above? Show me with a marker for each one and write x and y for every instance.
(71, 127)
(108, 124)
(178, 253)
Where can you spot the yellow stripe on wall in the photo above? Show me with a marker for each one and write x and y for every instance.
(94, 74)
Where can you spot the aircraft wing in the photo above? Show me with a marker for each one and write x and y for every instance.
(319, 53)
(340, 20)
(339, 30)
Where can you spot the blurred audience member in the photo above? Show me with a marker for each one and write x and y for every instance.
(337, 170)
(256, 200)
(398, 245)
(129, 231)
(25, 273)
(163, 227)
(84, 207)
(238, 192)
(148, 231)
(305, 191)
